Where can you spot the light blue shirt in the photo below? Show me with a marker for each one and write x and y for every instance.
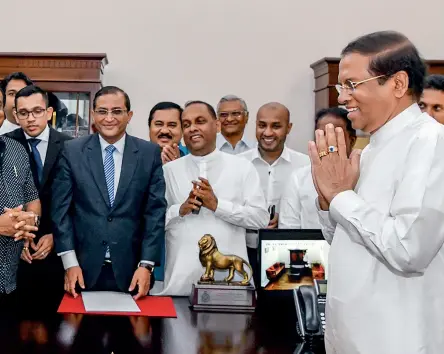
(242, 145)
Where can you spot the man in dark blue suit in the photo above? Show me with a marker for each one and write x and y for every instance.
(108, 207)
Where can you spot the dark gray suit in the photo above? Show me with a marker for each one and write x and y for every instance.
(133, 228)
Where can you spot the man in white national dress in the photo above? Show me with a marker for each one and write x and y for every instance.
(231, 201)
(383, 209)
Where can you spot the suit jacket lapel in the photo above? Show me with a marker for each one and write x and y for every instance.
(52, 152)
(95, 160)
(129, 165)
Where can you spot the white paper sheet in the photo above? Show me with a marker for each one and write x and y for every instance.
(108, 301)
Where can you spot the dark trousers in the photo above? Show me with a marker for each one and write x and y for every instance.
(107, 280)
(253, 258)
(44, 280)
(9, 304)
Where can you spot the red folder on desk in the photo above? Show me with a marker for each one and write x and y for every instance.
(150, 306)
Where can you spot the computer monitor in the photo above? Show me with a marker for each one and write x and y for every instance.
(289, 258)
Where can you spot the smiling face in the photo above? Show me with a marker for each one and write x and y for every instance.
(370, 104)
(199, 129)
(272, 127)
(111, 116)
(165, 128)
(233, 118)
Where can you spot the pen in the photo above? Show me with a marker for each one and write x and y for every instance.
(15, 171)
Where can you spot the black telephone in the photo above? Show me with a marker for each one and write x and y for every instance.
(310, 309)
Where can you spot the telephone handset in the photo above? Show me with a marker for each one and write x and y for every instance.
(310, 308)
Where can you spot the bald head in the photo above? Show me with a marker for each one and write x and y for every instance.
(274, 108)
(272, 127)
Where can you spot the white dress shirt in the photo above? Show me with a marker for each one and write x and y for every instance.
(274, 178)
(241, 205)
(42, 146)
(297, 207)
(386, 261)
(7, 127)
(242, 145)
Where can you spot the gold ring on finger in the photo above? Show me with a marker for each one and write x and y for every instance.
(323, 154)
(25, 248)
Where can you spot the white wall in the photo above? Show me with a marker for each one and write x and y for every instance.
(203, 49)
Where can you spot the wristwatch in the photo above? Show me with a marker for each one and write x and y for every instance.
(146, 265)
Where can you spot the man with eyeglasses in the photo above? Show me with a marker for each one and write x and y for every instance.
(432, 98)
(42, 271)
(382, 210)
(232, 113)
(108, 204)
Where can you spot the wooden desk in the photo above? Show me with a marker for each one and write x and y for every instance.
(189, 333)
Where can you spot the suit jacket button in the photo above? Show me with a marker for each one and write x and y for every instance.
(104, 243)
(110, 218)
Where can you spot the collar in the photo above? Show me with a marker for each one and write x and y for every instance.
(285, 155)
(7, 125)
(221, 141)
(119, 145)
(43, 136)
(394, 126)
(207, 158)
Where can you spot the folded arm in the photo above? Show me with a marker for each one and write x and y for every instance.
(412, 233)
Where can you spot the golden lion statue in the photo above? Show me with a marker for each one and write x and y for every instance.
(212, 259)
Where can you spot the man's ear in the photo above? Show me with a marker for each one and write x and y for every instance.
(290, 125)
(401, 84)
(352, 141)
(49, 112)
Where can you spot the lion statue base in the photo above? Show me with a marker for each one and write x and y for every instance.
(211, 259)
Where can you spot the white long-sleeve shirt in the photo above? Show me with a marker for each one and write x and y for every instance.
(274, 178)
(386, 261)
(241, 205)
(297, 208)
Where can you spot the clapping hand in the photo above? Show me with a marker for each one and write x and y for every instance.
(204, 191)
(170, 153)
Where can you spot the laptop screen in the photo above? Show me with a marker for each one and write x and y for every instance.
(290, 258)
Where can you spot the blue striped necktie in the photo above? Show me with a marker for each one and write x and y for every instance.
(108, 166)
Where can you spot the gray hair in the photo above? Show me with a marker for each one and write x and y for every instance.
(231, 98)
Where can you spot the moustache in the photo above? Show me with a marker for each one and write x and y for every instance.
(168, 136)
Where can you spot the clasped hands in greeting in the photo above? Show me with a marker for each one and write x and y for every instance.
(332, 170)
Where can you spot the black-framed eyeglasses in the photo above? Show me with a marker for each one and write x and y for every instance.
(115, 113)
(351, 85)
(37, 112)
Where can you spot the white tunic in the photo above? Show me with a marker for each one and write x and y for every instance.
(241, 205)
(386, 261)
(297, 206)
(274, 178)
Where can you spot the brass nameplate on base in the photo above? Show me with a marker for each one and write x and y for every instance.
(223, 297)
